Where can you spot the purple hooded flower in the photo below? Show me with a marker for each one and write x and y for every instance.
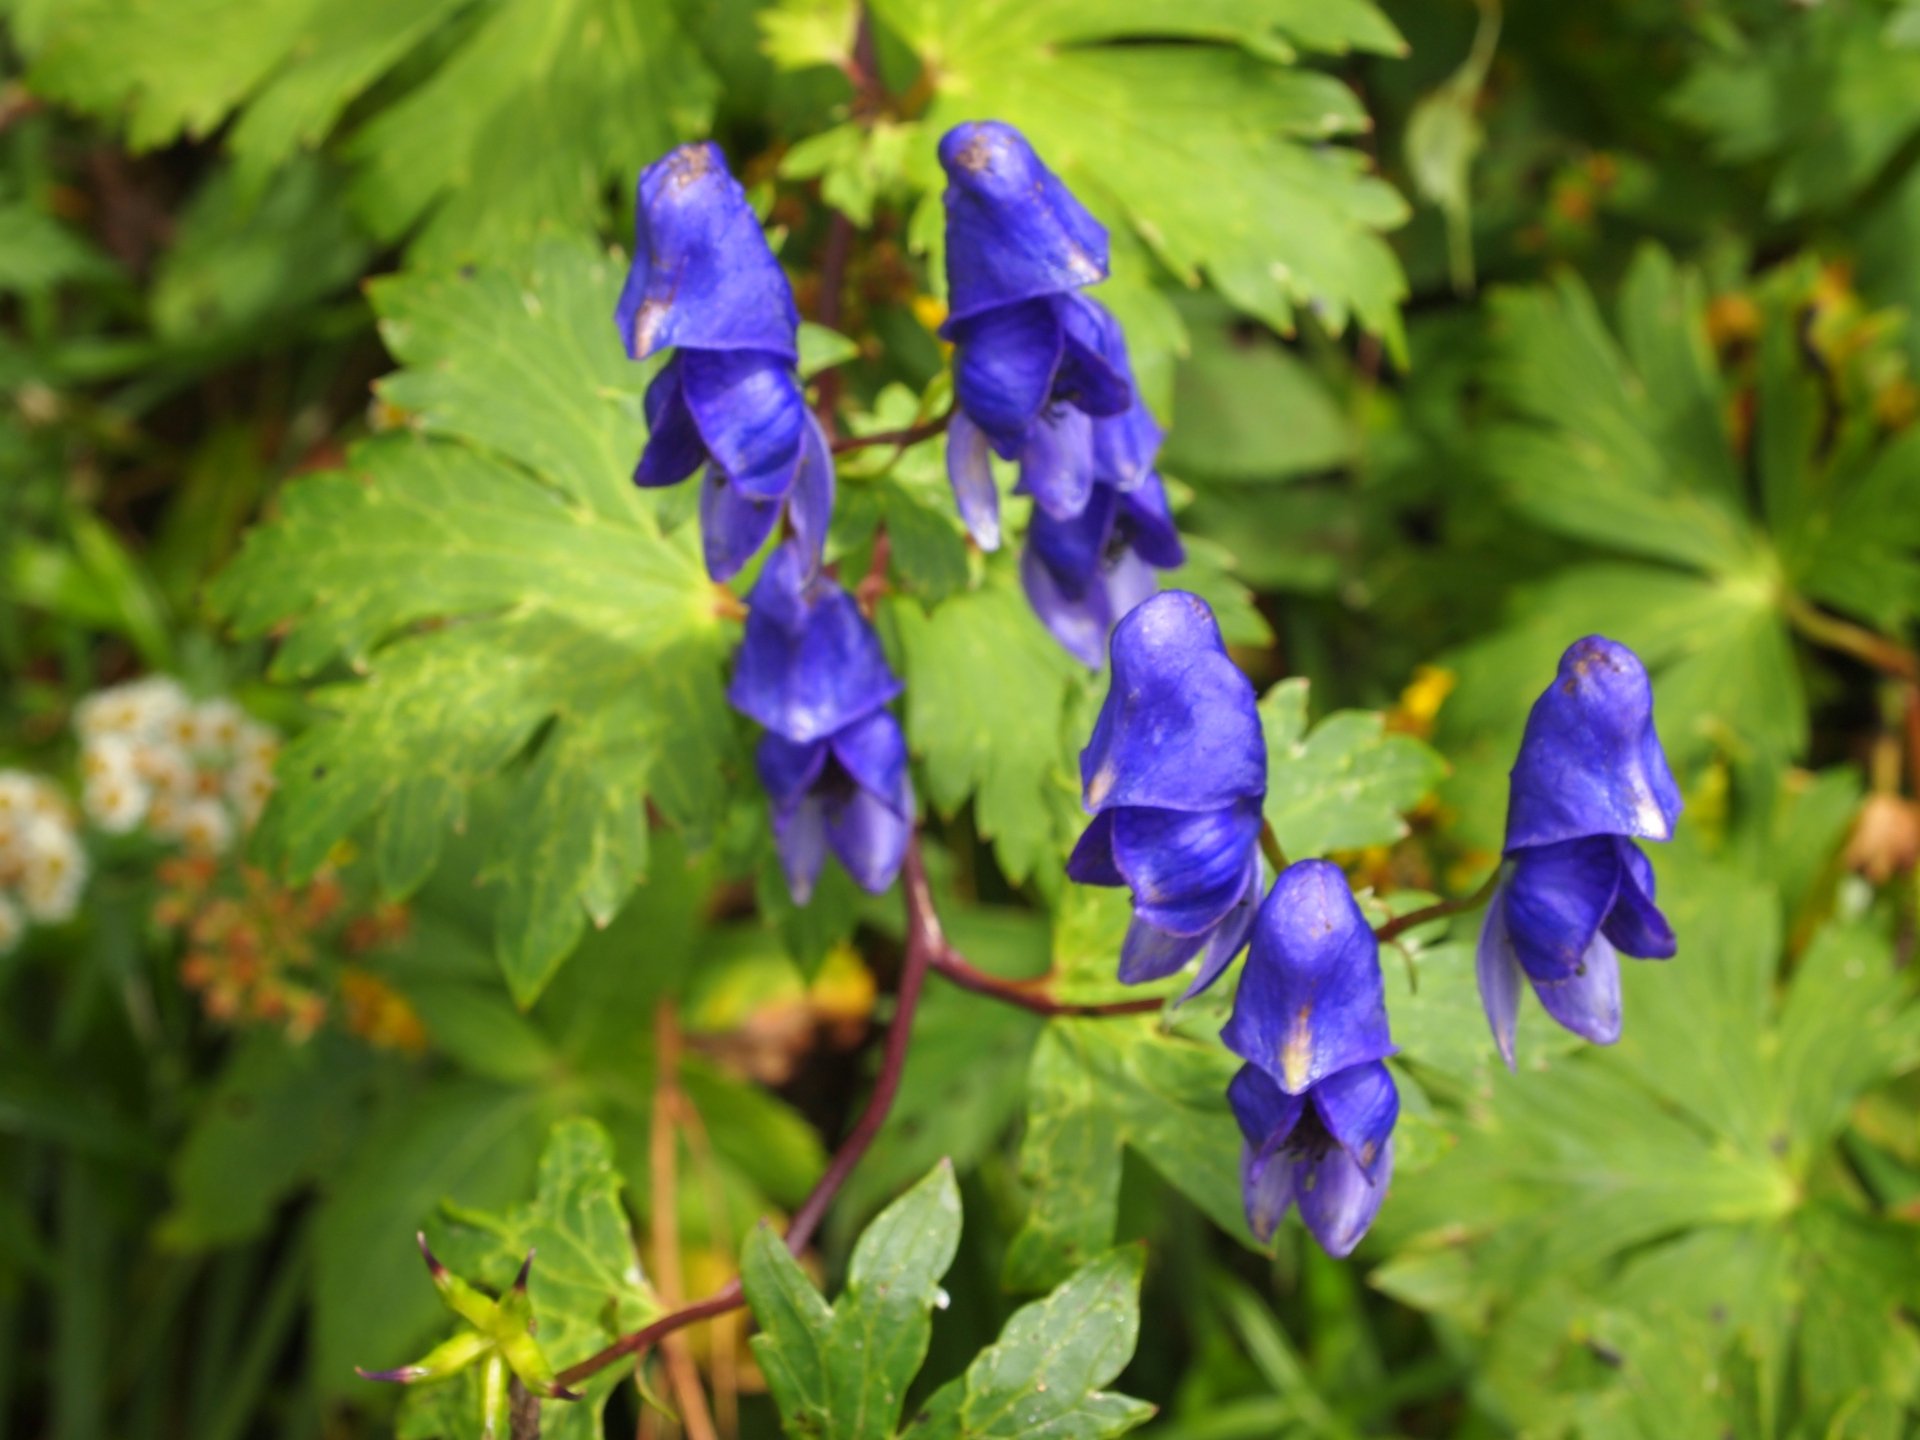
(1035, 362)
(704, 283)
(1083, 574)
(1174, 776)
(1315, 1104)
(1590, 779)
(833, 759)
(848, 793)
(1330, 1151)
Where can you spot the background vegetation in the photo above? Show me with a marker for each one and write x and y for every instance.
(1476, 330)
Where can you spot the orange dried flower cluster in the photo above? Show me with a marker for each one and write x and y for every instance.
(258, 951)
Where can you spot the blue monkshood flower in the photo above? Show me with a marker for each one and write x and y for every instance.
(849, 794)
(1035, 362)
(1174, 776)
(704, 283)
(833, 759)
(1590, 779)
(1310, 1002)
(1315, 1105)
(1084, 573)
(1330, 1151)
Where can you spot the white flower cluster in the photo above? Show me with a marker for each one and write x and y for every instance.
(42, 867)
(196, 772)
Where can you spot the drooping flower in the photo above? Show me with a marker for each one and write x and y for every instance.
(1174, 776)
(1083, 574)
(1590, 779)
(1329, 1151)
(1034, 360)
(704, 283)
(1315, 1104)
(833, 759)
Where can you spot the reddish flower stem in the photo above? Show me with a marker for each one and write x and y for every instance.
(900, 439)
(864, 71)
(1032, 994)
(1400, 924)
(834, 256)
(925, 940)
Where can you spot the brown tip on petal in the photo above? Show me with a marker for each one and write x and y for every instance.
(434, 1267)
(404, 1375)
(526, 1266)
(560, 1392)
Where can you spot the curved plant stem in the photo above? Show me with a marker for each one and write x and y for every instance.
(1032, 994)
(899, 439)
(835, 254)
(1869, 647)
(924, 941)
(869, 98)
(1400, 924)
(1270, 847)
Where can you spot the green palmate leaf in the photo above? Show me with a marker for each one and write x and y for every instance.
(523, 126)
(1840, 501)
(1096, 1087)
(1213, 154)
(1823, 93)
(1626, 444)
(496, 123)
(1343, 785)
(585, 1282)
(1043, 1377)
(843, 1370)
(177, 68)
(1886, 253)
(525, 363)
(1858, 1352)
(581, 1040)
(1671, 1202)
(1860, 557)
(990, 695)
(1623, 449)
(585, 637)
